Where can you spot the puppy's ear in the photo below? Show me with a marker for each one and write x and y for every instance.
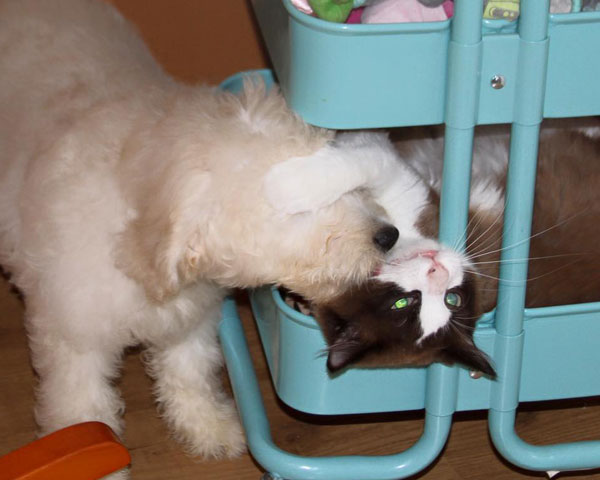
(148, 252)
(161, 249)
(305, 184)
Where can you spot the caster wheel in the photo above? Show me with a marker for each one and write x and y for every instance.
(270, 476)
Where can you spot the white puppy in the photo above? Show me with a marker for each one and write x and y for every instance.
(130, 203)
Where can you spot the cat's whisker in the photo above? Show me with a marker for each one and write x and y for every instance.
(518, 260)
(494, 235)
(462, 325)
(459, 241)
(455, 318)
(508, 247)
(322, 353)
(342, 346)
(461, 317)
(546, 230)
(520, 282)
(498, 217)
(516, 282)
(402, 324)
(390, 263)
(458, 331)
(464, 237)
(474, 222)
(478, 217)
(552, 271)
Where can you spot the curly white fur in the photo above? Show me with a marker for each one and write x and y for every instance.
(130, 203)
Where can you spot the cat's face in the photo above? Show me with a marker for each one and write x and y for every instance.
(420, 308)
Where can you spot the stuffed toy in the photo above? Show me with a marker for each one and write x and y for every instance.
(509, 9)
(380, 11)
(331, 10)
(560, 6)
(403, 11)
(303, 6)
(591, 6)
(432, 3)
(501, 9)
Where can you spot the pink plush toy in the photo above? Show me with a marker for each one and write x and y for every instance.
(385, 11)
(303, 6)
(402, 11)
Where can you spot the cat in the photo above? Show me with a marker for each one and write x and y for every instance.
(422, 305)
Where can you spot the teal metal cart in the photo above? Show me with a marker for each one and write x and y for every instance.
(464, 72)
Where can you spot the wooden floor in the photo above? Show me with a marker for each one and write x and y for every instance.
(468, 454)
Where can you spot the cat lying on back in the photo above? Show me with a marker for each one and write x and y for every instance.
(422, 306)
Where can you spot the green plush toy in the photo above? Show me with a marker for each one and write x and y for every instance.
(332, 10)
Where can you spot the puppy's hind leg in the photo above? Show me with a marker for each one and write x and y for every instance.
(75, 384)
(189, 391)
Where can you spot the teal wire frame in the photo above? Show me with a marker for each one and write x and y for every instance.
(462, 108)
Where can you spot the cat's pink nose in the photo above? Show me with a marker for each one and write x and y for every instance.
(437, 276)
(428, 253)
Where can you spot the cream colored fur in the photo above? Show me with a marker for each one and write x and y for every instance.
(129, 204)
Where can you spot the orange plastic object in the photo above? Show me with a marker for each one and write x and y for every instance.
(86, 451)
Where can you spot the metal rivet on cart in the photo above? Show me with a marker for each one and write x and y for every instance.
(475, 374)
(498, 82)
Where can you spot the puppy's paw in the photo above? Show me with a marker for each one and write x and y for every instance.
(216, 434)
(227, 440)
(120, 475)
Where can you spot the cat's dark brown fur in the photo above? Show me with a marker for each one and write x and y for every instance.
(564, 267)
(565, 244)
(567, 210)
(360, 328)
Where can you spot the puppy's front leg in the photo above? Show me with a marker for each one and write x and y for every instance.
(75, 384)
(190, 395)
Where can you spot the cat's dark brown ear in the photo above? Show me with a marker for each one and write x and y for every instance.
(345, 345)
(344, 352)
(468, 355)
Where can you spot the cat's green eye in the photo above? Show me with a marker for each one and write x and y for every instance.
(402, 303)
(453, 300)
